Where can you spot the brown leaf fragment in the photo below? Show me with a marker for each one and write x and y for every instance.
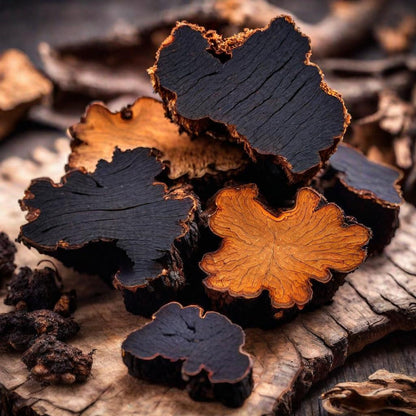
(143, 124)
(383, 391)
(53, 361)
(280, 254)
(21, 86)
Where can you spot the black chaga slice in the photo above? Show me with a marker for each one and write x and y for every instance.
(33, 290)
(7, 253)
(19, 330)
(365, 190)
(259, 86)
(183, 347)
(53, 361)
(117, 220)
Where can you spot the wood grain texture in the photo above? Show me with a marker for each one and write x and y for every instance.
(377, 299)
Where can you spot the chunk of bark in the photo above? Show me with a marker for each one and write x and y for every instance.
(54, 362)
(7, 253)
(33, 290)
(21, 86)
(183, 346)
(366, 190)
(257, 85)
(128, 225)
(144, 124)
(346, 26)
(19, 330)
(279, 253)
(383, 391)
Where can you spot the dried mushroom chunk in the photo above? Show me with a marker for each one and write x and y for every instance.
(181, 345)
(258, 85)
(367, 190)
(33, 290)
(53, 361)
(144, 124)
(279, 253)
(7, 253)
(119, 204)
(19, 330)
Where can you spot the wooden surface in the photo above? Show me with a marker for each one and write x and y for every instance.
(376, 300)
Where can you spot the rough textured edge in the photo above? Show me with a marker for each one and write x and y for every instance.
(321, 204)
(366, 194)
(33, 214)
(202, 315)
(220, 45)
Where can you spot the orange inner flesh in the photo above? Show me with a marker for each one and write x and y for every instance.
(282, 253)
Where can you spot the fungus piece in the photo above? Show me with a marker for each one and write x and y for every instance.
(115, 219)
(384, 391)
(367, 190)
(182, 346)
(258, 85)
(21, 86)
(53, 361)
(7, 253)
(279, 253)
(33, 290)
(144, 124)
(19, 330)
(67, 303)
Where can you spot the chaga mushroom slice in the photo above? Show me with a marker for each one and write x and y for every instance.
(118, 208)
(366, 190)
(144, 124)
(182, 346)
(33, 290)
(7, 253)
(19, 330)
(259, 86)
(261, 251)
(53, 361)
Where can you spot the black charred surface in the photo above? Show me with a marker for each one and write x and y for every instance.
(7, 253)
(19, 330)
(365, 177)
(53, 361)
(259, 313)
(33, 290)
(365, 190)
(264, 90)
(119, 204)
(182, 346)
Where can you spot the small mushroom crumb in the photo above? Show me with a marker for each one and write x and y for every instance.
(32, 290)
(7, 252)
(66, 304)
(19, 329)
(53, 361)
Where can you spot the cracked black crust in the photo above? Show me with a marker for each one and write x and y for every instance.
(105, 211)
(188, 96)
(182, 346)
